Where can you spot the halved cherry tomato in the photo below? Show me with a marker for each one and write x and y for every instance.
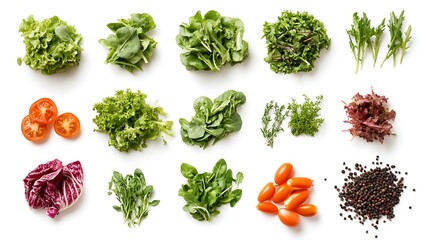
(267, 207)
(296, 198)
(282, 193)
(283, 173)
(43, 111)
(67, 125)
(288, 217)
(306, 210)
(266, 192)
(33, 131)
(300, 182)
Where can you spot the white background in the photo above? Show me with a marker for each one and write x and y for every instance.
(165, 80)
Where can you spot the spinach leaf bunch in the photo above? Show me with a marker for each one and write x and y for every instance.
(134, 196)
(212, 41)
(129, 121)
(294, 42)
(213, 120)
(51, 45)
(205, 192)
(129, 46)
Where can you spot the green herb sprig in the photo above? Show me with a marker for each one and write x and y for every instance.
(305, 118)
(398, 39)
(134, 196)
(271, 128)
(129, 46)
(205, 192)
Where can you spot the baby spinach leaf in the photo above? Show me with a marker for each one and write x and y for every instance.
(129, 46)
(211, 42)
(205, 192)
(213, 120)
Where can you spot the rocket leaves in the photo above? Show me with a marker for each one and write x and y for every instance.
(212, 41)
(129, 46)
(213, 120)
(205, 192)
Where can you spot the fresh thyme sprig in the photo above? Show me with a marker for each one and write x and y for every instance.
(271, 129)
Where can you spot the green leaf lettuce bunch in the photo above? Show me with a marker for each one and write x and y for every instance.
(212, 41)
(51, 45)
(129, 121)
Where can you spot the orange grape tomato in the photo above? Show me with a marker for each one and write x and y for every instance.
(306, 210)
(33, 131)
(283, 173)
(300, 182)
(282, 193)
(43, 111)
(267, 207)
(67, 125)
(288, 217)
(296, 198)
(266, 192)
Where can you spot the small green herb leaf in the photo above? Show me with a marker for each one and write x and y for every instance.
(133, 195)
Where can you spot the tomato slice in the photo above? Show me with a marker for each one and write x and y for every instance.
(67, 125)
(43, 111)
(33, 131)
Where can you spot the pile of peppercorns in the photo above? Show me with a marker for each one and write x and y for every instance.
(370, 194)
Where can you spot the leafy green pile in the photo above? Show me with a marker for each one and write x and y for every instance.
(130, 121)
(51, 45)
(129, 46)
(305, 118)
(362, 36)
(271, 128)
(205, 192)
(134, 196)
(294, 42)
(397, 40)
(212, 41)
(213, 120)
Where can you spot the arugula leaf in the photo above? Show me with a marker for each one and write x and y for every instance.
(213, 120)
(211, 42)
(51, 45)
(129, 121)
(397, 41)
(294, 42)
(133, 194)
(305, 117)
(205, 192)
(362, 36)
(129, 46)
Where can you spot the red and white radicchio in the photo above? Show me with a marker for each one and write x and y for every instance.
(53, 186)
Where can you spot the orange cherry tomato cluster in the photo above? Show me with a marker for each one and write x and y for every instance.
(291, 191)
(43, 113)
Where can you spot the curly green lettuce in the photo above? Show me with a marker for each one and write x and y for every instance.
(129, 121)
(51, 45)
